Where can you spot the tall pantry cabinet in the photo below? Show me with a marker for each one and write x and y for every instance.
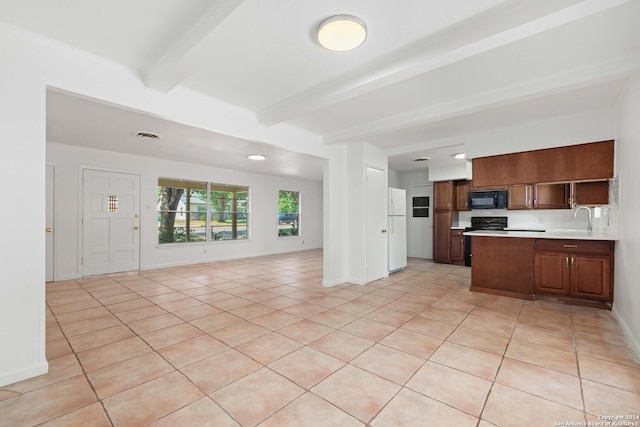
(443, 192)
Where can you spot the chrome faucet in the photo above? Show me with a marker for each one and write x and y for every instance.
(589, 228)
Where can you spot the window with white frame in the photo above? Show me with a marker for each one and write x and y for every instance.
(288, 213)
(190, 211)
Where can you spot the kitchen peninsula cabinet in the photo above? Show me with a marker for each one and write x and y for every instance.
(502, 266)
(574, 268)
(571, 270)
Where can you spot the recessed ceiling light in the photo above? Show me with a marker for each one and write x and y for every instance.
(458, 156)
(257, 156)
(147, 135)
(422, 159)
(341, 33)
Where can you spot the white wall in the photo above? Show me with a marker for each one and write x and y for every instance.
(30, 64)
(395, 179)
(22, 261)
(626, 305)
(345, 210)
(449, 172)
(418, 177)
(336, 196)
(590, 126)
(360, 156)
(69, 161)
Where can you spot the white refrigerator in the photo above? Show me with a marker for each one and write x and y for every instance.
(397, 229)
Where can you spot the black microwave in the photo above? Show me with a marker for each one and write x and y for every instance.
(494, 199)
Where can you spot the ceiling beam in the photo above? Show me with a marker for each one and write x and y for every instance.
(601, 73)
(183, 58)
(505, 24)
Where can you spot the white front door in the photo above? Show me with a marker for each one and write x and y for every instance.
(49, 224)
(420, 228)
(376, 225)
(111, 222)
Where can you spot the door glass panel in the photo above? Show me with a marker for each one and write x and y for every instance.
(113, 203)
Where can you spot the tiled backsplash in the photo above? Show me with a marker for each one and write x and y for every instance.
(604, 217)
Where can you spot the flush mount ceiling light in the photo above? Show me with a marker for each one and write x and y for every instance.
(147, 135)
(422, 159)
(256, 156)
(458, 156)
(341, 33)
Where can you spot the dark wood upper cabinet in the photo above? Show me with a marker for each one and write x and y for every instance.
(590, 193)
(462, 195)
(593, 161)
(551, 196)
(520, 197)
(443, 196)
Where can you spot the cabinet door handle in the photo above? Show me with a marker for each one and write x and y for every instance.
(566, 259)
(572, 259)
(570, 246)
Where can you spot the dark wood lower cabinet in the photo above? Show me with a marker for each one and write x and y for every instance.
(441, 236)
(552, 272)
(457, 247)
(502, 266)
(591, 276)
(574, 268)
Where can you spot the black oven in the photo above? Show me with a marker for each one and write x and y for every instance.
(481, 223)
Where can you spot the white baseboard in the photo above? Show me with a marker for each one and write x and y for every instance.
(332, 283)
(631, 340)
(40, 368)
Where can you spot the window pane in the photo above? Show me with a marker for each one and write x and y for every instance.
(229, 212)
(234, 227)
(113, 203)
(288, 213)
(181, 211)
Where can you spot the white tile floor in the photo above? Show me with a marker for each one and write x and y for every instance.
(260, 342)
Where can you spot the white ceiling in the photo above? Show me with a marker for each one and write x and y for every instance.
(429, 71)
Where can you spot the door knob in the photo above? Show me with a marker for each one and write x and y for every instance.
(136, 227)
(384, 230)
(48, 229)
